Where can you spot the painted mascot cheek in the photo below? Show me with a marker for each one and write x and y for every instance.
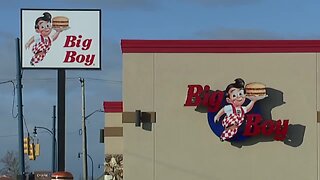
(46, 31)
(237, 98)
(239, 101)
(44, 28)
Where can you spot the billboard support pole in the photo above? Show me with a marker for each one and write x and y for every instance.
(54, 140)
(61, 119)
(21, 175)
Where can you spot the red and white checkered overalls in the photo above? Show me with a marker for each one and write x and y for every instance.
(40, 49)
(228, 121)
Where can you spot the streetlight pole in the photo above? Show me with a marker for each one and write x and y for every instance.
(91, 166)
(84, 132)
(91, 163)
(98, 110)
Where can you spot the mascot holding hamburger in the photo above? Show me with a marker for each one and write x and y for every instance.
(234, 111)
(42, 39)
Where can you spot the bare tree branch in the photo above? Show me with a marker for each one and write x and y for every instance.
(11, 164)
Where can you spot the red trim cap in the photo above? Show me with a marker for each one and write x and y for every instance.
(219, 46)
(113, 106)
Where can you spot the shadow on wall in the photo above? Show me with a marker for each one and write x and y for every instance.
(295, 134)
(147, 126)
(294, 137)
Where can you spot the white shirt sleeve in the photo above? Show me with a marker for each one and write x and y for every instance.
(228, 109)
(245, 110)
(37, 38)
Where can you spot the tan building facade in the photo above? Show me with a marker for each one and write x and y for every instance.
(113, 140)
(177, 86)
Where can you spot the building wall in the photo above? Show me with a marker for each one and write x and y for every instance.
(113, 144)
(318, 107)
(113, 130)
(181, 145)
(138, 92)
(113, 140)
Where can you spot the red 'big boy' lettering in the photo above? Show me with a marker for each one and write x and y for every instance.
(72, 56)
(193, 96)
(75, 56)
(281, 130)
(74, 41)
(267, 128)
(215, 101)
(198, 95)
(252, 126)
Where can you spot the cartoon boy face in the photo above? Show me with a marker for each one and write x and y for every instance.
(44, 28)
(236, 97)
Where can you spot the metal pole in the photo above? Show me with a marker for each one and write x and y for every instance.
(20, 114)
(91, 166)
(84, 132)
(40, 127)
(54, 140)
(61, 119)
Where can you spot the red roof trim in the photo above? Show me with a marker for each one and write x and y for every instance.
(219, 46)
(113, 106)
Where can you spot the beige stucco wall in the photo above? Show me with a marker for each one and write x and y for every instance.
(318, 82)
(138, 89)
(318, 105)
(181, 144)
(113, 145)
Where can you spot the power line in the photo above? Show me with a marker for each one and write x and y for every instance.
(13, 135)
(74, 78)
(5, 82)
(14, 95)
(107, 80)
(5, 136)
(25, 124)
(13, 102)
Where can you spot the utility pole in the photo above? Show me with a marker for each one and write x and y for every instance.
(20, 115)
(84, 132)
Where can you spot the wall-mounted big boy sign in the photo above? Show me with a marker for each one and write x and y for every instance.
(232, 114)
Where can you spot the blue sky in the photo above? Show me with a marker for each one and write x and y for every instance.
(129, 19)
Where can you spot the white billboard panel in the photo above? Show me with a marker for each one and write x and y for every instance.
(68, 39)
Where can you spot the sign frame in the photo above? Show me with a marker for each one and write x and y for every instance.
(78, 65)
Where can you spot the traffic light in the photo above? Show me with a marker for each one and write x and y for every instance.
(26, 147)
(37, 149)
(32, 155)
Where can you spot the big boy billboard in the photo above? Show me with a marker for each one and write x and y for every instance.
(59, 38)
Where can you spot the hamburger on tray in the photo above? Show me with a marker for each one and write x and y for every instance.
(60, 22)
(256, 91)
